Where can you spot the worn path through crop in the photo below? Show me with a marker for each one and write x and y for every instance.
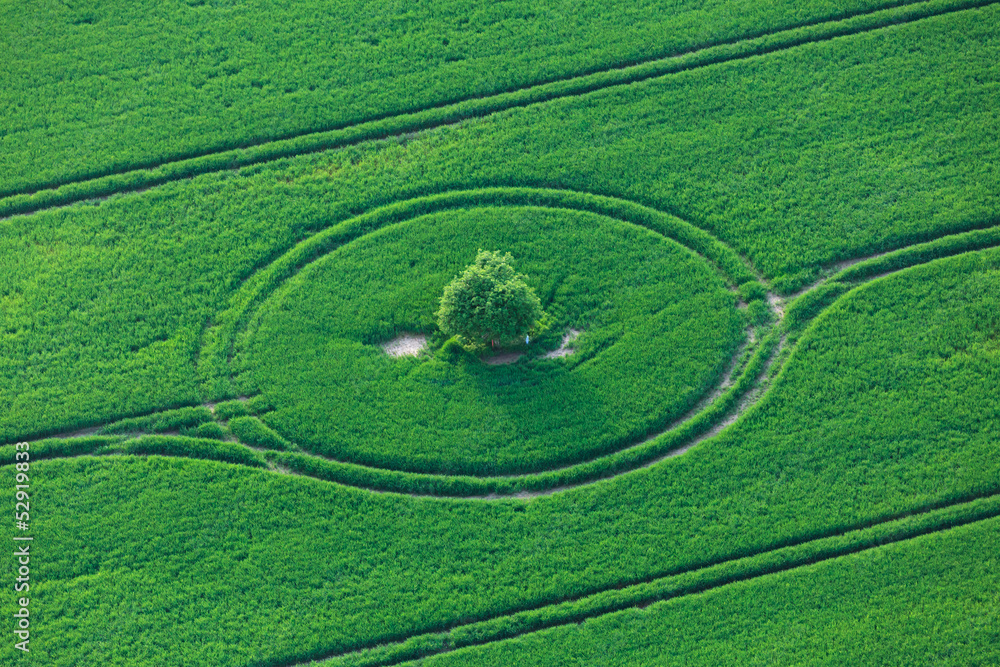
(405, 124)
(756, 385)
(670, 586)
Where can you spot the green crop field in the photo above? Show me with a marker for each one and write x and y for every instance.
(758, 423)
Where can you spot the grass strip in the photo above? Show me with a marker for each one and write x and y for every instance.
(195, 448)
(253, 431)
(948, 246)
(229, 409)
(807, 306)
(170, 420)
(803, 309)
(403, 124)
(54, 448)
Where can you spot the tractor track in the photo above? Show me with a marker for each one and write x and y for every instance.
(402, 126)
(682, 583)
(765, 375)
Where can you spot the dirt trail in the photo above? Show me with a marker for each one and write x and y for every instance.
(502, 359)
(564, 349)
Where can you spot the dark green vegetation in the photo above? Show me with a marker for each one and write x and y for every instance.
(660, 329)
(489, 302)
(884, 417)
(141, 83)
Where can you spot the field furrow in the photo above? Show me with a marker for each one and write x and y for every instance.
(140, 177)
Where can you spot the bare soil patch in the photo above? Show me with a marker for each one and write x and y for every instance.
(405, 345)
(510, 357)
(503, 358)
(564, 349)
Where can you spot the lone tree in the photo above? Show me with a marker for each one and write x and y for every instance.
(488, 301)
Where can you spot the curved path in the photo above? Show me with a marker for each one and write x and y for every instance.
(797, 318)
(748, 362)
(751, 359)
(750, 376)
(757, 378)
(937, 516)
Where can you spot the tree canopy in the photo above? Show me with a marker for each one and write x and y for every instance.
(489, 301)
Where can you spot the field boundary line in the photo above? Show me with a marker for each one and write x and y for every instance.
(404, 124)
(837, 543)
